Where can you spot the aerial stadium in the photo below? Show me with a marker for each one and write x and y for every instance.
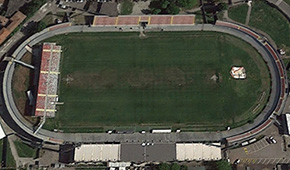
(189, 82)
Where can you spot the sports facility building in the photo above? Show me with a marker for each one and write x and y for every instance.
(141, 152)
(155, 20)
(48, 80)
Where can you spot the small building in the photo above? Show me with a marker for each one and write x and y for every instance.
(238, 72)
(16, 20)
(4, 33)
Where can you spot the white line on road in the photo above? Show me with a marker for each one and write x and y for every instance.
(259, 160)
(268, 161)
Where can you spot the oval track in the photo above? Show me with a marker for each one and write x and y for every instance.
(275, 104)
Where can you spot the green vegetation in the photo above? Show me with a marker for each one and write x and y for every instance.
(24, 150)
(173, 166)
(48, 19)
(271, 21)
(30, 8)
(126, 7)
(287, 1)
(287, 62)
(10, 162)
(239, 13)
(171, 6)
(97, 168)
(111, 80)
(21, 83)
(223, 165)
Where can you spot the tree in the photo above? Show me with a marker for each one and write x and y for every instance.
(183, 167)
(164, 7)
(155, 11)
(183, 3)
(223, 165)
(40, 26)
(164, 166)
(173, 9)
(175, 166)
(164, 4)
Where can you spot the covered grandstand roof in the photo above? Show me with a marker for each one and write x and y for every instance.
(48, 78)
(97, 152)
(133, 20)
(198, 151)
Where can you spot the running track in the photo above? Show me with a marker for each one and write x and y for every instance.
(282, 76)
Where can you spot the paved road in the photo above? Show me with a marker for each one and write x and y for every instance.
(136, 137)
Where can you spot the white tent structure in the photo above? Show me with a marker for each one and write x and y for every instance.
(198, 151)
(97, 153)
(238, 72)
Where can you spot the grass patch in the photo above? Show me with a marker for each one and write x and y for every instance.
(24, 150)
(192, 4)
(271, 21)
(89, 168)
(239, 13)
(10, 162)
(48, 20)
(21, 83)
(126, 7)
(162, 80)
(287, 1)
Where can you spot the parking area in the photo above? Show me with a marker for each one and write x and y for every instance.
(139, 152)
(257, 146)
(263, 152)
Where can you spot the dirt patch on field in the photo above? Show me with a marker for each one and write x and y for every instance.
(21, 83)
(136, 78)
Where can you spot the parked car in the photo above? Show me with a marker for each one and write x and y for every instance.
(237, 161)
(272, 140)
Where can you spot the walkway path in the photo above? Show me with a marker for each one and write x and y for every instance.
(248, 15)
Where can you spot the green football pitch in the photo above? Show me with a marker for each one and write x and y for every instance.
(167, 79)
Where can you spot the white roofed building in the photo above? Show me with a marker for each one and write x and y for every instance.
(97, 153)
(198, 151)
(2, 133)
